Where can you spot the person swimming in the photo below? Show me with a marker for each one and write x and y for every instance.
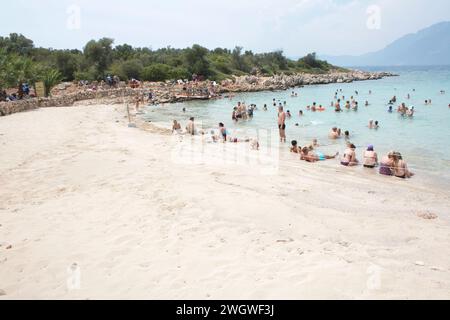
(335, 133)
(347, 135)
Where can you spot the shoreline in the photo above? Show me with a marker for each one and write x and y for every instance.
(80, 188)
(69, 94)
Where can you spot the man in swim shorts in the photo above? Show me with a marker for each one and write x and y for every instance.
(282, 124)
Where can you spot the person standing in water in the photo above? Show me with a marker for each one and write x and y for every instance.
(282, 124)
(223, 131)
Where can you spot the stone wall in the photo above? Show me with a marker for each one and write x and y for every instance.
(167, 93)
(110, 95)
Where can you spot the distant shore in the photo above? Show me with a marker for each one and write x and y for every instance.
(68, 94)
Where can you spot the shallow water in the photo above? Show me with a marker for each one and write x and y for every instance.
(423, 140)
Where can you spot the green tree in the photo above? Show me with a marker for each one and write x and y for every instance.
(67, 63)
(197, 62)
(17, 44)
(50, 78)
(100, 54)
(156, 72)
(128, 69)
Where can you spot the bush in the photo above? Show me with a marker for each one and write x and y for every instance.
(156, 72)
(131, 69)
(179, 73)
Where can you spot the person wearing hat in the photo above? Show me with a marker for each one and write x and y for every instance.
(370, 157)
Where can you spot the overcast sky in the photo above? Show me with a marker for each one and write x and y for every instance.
(296, 26)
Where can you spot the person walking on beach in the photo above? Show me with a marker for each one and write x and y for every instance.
(137, 101)
(282, 124)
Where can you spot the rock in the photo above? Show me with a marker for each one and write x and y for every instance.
(8, 247)
(2, 292)
(427, 215)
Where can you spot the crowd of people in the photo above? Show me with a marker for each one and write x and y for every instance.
(392, 164)
(23, 92)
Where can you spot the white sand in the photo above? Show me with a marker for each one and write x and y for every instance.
(78, 187)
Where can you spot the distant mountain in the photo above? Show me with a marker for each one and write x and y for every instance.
(430, 46)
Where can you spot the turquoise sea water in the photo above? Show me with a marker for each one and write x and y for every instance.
(423, 140)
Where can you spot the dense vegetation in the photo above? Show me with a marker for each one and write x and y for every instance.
(21, 61)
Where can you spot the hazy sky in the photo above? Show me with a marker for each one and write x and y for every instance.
(296, 26)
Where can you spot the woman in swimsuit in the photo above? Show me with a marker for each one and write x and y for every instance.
(370, 158)
(176, 127)
(387, 164)
(400, 167)
(349, 159)
(310, 156)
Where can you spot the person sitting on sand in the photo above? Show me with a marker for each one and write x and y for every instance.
(370, 157)
(176, 127)
(254, 144)
(387, 164)
(295, 148)
(190, 128)
(335, 133)
(349, 159)
(315, 143)
(400, 167)
(314, 156)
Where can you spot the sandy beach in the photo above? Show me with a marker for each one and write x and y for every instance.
(84, 197)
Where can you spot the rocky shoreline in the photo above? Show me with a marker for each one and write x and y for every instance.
(70, 94)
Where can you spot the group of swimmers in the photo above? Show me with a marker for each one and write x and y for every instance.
(392, 164)
(404, 110)
(241, 111)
